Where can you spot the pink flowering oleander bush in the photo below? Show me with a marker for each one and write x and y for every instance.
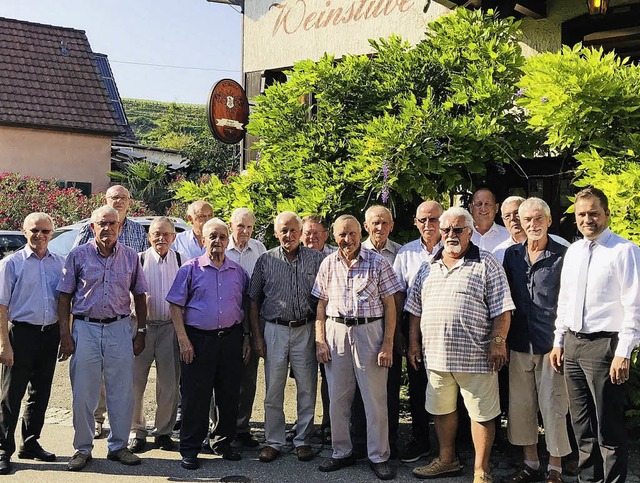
(21, 195)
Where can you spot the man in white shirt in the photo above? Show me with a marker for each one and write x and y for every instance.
(160, 265)
(406, 265)
(597, 328)
(487, 234)
(190, 242)
(246, 251)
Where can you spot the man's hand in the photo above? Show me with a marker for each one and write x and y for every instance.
(620, 368)
(556, 357)
(259, 345)
(385, 356)
(414, 355)
(67, 347)
(186, 350)
(497, 356)
(322, 352)
(138, 343)
(246, 350)
(6, 355)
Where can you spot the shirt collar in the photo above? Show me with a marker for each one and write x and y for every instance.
(156, 256)
(232, 245)
(436, 247)
(29, 252)
(473, 253)
(388, 246)
(204, 261)
(602, 237)
(95, 247)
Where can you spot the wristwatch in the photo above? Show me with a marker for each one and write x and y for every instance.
(497, 339)
(142, 330)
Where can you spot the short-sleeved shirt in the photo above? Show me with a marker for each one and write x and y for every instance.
(247, 257)
(409, 259)
(101, 286)
(389, 250)
(355, 291)
(492, 238)
(212, 298)
(187, 243)
(28, 286)
(160, 274)
(283, 287)
(534, 289)
(132, 235)
(456, 308)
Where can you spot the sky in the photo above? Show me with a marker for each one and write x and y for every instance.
(163, 50)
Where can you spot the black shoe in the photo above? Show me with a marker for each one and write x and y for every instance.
(136, 445)
(334, 464)
(5, 465)
(165, 442)
(34, 451)
(393, 452)
(383, 470)
(247, 440)
(414, 450)
(227, 452)
(178, 425)
(190, 463)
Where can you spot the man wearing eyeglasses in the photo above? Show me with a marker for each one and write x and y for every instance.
(131, 234)
(29, 338)
(315, 234)
(487, 234)
(99, 277)
(461, 305)
(406, 265)
(159, 265)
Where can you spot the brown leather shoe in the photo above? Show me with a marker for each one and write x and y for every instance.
(305, 453)
(268, 454)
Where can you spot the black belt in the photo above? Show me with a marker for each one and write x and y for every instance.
(42, 328)
(107, 320)
(293, 323)
(594, 335)
(351, 321)
(213, 333)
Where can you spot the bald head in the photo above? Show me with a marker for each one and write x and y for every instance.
(118, 198)
(427, 222)
(378, 223)
(198, 213)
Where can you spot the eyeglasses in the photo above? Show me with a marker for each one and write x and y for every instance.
(44, 232)
(104, 224)
(422, 221)
(162, 235)
(511, 216)
(457, 230)
(118, 198)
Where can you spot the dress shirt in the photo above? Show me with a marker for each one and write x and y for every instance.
(491, 239)
(409, 259)
(28, 286)
(498, 251)
(100, 285)
(328, 249)
(612, 301)
(212, 298)
(389, 250)
(534, 289)
(187, 244)
(456, 309)
(356, 291)
(132, 235)
(160, 274)
(283, 287)
(247, 257)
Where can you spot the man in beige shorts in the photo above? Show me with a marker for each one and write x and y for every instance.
(461, 305)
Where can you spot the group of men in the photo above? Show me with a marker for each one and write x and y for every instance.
(461, 301)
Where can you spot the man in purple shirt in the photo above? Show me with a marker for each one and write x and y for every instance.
(98, 277)
(208, 302)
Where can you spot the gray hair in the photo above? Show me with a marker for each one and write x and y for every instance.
(513, 199)
(36, 217)
(287, 214)
(161, 220)
(197, 205)
(376, 207)
(239, 212)
(458, 212)
(534, 203)
(213, 222)
(343, 218)
(104, 210)
(116, 186)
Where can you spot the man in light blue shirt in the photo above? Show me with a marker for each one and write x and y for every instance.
(190, 242)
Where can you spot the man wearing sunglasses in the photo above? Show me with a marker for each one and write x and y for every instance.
(29, 337)
(461, 305)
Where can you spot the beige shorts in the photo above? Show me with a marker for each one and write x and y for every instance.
(479, 392)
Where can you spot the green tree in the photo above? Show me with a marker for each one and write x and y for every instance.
(146, 181)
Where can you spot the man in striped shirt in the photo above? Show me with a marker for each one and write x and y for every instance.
(282, 312)
(355, 326)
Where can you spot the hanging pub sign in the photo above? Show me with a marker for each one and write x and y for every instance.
(228, 111)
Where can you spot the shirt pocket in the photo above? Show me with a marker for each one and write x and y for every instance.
(365, 288)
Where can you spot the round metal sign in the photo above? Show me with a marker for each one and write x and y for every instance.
(228, 111)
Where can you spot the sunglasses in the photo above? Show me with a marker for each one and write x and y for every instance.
(424, 220)
(457, 230)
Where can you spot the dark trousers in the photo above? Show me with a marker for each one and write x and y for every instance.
(34, 361)
(217, 365)
(324, 394)
(417, 400)
(597, 408)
